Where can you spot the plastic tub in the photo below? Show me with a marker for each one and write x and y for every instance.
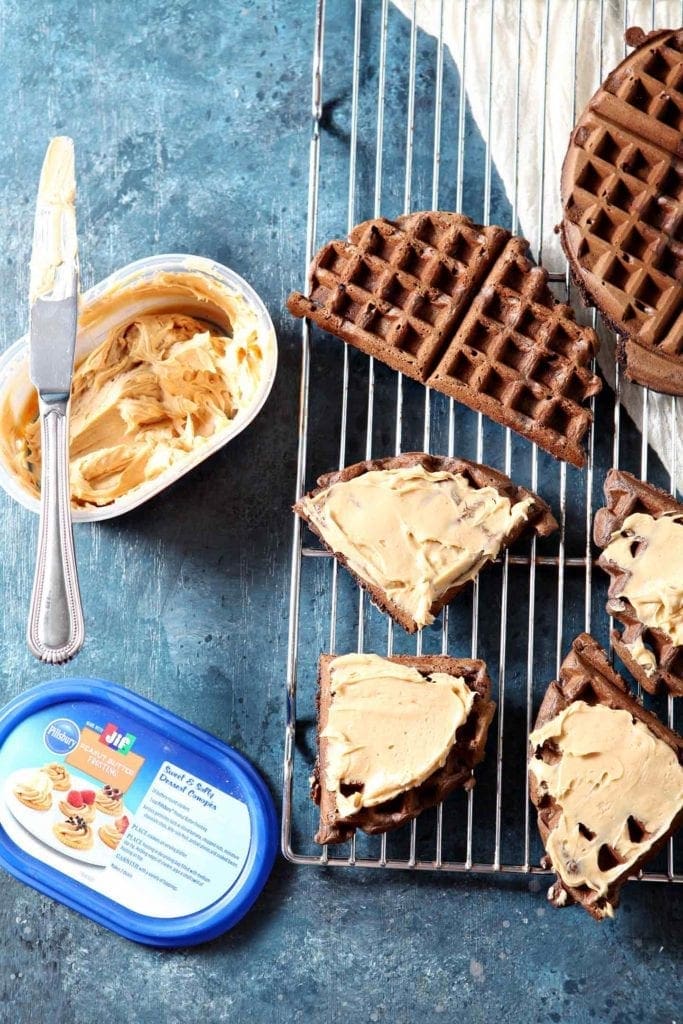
(14, 368)
(177, 847)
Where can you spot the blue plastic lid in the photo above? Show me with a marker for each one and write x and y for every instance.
(129, 814)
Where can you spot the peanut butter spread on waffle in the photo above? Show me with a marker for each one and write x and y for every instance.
(149, 395)
(650, 551)
(617, 786)
(414, 533)
(640, 653)
(389, 728)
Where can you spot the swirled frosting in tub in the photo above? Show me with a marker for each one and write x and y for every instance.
(414, 533)
(158, 386)
(618, 788)
(388, 728)
(650, 551)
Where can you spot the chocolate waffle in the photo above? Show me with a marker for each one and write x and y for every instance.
(626, 495)
(461, 309)
(540, 518)
(456, 773)
(586, 675)
(622, 202)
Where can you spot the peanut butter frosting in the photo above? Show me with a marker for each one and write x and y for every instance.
(58, 775)
(35, 791)
(650, 551)
(74, 833)
(110, 835)
(414, 533)
(109, 805)
(388, 728)
(644, 657)
(55, 251)
(157, 388)
(86, 812)
(617, 786)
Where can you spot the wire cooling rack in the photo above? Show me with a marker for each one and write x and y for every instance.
(390, 98)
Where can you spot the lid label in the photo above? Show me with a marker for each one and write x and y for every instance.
(176, 848)
(103, 758)
(134, 814)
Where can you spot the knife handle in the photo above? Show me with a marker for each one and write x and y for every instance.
(55, 625)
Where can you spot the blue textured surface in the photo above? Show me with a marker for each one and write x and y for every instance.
(191, 125)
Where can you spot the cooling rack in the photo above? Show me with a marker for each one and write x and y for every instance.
(392, 132)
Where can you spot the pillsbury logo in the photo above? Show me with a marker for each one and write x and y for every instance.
(61, 736)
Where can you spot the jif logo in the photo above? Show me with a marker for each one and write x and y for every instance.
(119, 741)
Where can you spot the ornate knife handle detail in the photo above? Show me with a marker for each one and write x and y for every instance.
(55, 626)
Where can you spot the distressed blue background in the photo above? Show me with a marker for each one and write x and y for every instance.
(191, 123)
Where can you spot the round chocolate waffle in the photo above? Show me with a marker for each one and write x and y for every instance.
(622, 202)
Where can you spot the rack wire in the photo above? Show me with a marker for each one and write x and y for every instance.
(555, 594)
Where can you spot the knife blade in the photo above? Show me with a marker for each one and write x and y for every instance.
(53, 288)
(55, 627)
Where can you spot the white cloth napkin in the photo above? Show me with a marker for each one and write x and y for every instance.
(515, 42)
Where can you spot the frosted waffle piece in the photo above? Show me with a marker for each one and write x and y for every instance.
(539, 518)
(456, 773)
(460, 308)
(625, 495)
(587, 676)
(622, 203)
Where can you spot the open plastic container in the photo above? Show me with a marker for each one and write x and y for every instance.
(14, 367)
(173, 853)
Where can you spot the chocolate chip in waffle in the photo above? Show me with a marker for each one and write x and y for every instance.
(626, 495)
(539, 517)
(586, 676)
(460, 308)
(456, 773)
(622, 202)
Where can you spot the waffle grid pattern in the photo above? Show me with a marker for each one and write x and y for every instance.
(521, 347)
(461, 309)
(405, 289)
(623, 196)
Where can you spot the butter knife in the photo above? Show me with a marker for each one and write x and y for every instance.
(55, 626)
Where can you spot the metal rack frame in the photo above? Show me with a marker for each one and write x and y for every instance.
(295, 772)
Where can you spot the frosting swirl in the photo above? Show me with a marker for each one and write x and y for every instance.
(109, 801)
(110, 835)
(59, 776)
(74, 833)
(35, 791)
(87, 813)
